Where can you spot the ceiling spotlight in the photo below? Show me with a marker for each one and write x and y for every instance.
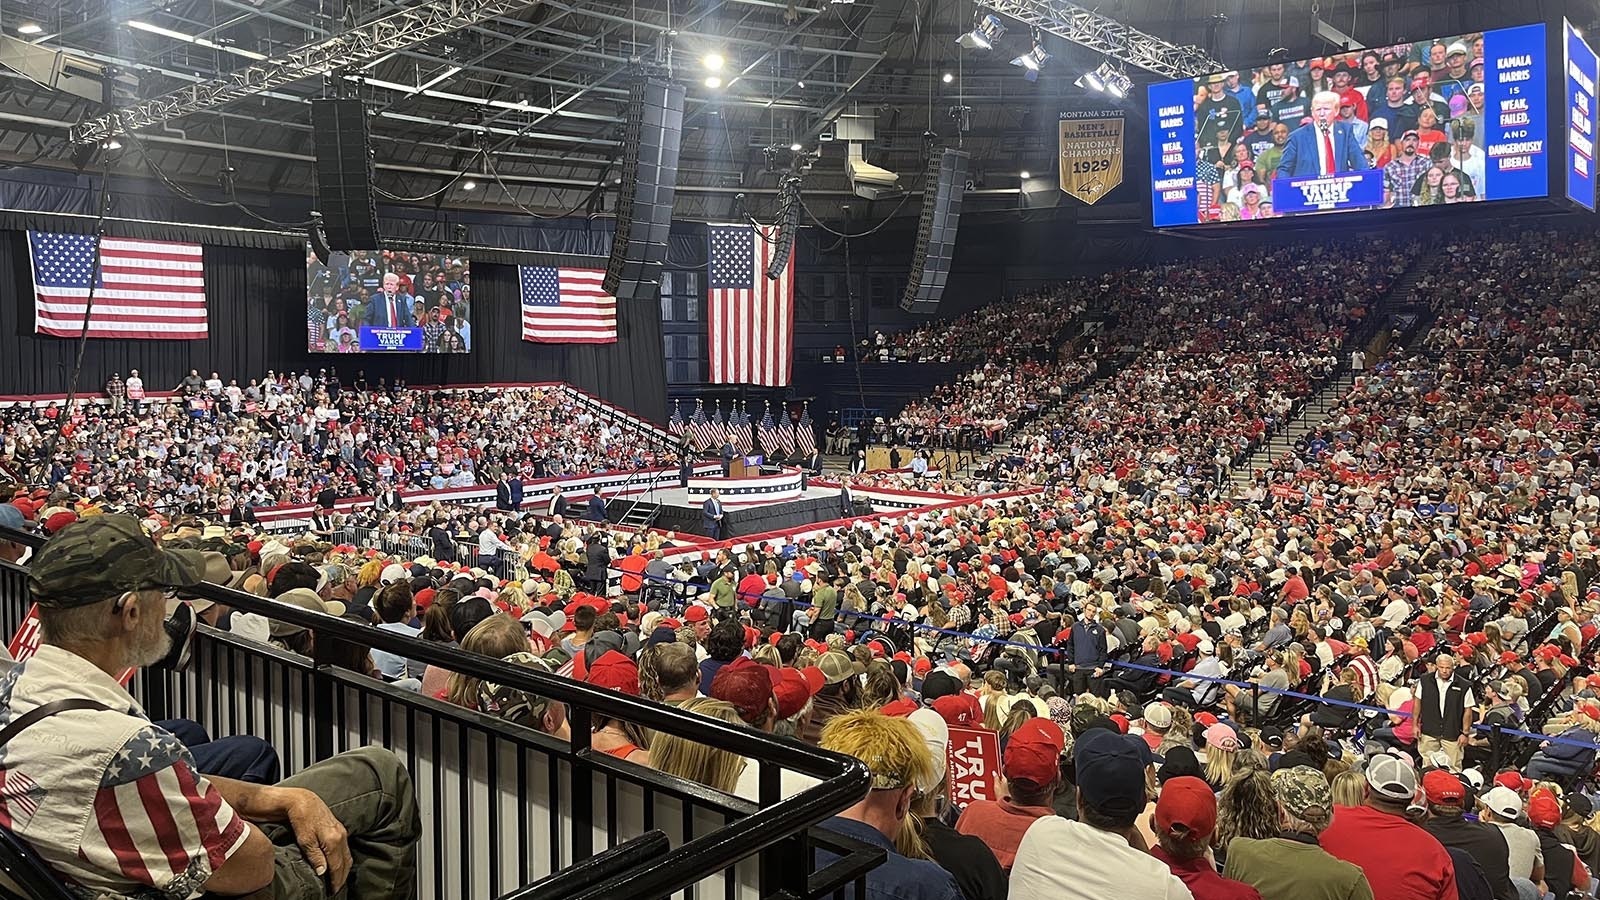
(113, 144)
(1032, 61)
(712, 61)
(795, 147)
(713, 81)
(800, 84)
(989, 30)
(469, 185)
(1118, 85)
(1024, 175)
(947, 78)
(29, 28)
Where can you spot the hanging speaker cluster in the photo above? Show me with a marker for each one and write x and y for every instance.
(936, 231)
(649, 180)
(788, 225)
(344, 174)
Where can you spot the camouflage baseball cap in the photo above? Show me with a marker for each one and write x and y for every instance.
(1305, 794)
(107, 556)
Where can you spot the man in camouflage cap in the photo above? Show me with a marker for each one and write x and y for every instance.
(159, 826)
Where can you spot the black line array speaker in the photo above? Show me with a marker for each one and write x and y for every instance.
(649, 180)
(936, 232)
(344, 174)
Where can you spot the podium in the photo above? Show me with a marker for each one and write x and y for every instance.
(745, 466)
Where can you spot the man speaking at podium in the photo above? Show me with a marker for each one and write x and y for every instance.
(1323, 146)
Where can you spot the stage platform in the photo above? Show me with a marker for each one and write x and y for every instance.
(682, 509)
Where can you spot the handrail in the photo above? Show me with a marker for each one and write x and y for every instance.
(843, 780)
(597, 869)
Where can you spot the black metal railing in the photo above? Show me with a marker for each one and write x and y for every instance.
(503, 806)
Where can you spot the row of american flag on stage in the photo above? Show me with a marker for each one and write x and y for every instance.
(785, 438)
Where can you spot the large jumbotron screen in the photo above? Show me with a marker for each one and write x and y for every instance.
(388, 301)
(1457, 119)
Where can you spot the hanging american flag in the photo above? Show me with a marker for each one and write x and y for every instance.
(769, 434)
(700, 428)
(806, 432)
(750, 318)
(145, 290)
(675, 424)
(786, 434)
(566, 306)
(740, 426)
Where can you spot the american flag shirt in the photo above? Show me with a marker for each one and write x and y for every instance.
(111, 802)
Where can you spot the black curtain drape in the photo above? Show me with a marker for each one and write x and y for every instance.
(255, 303)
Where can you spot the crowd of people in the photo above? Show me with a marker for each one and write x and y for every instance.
(223, 450)
(1014, 327)
(1369, 675)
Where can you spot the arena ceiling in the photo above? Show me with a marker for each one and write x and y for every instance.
(541, 92)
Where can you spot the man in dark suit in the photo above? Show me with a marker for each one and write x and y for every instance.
(515, 484)
(558, 504)
(1324, 146)
(502, 494)
(391, 308)
(728, 453)
(597, 508)
(711, 515)
(387, 498)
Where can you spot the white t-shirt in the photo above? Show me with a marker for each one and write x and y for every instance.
(1060, 859)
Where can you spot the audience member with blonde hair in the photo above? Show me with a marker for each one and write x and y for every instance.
(896, 754)
(699, 761)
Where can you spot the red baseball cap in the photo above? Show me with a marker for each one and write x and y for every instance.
(922, 666)
(792, 692)
(901, 708)
(748, 685)
(696, 614)
(1508, 657)
(814, 678)
(1544, 811)
(1034, 752)
(1205, 718)
(1443, 788)
(616, 672)
(1187, 807)
(1512, 780)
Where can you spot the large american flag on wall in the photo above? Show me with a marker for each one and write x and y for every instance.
(749, 317)
(152, 290)
(566, 306)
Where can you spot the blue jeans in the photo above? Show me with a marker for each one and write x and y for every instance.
(1543, 768)
(241, 758)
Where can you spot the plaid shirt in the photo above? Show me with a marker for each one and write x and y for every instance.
(1001, 621)
(960, 616)
(1400, 177)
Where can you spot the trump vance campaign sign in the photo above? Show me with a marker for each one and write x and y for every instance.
(1091, 153)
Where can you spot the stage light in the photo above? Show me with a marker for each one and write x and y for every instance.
(113, 144)
(989, 30)
(1034, 59)
(1096, 80)
(32, 28)
(1118, 85)
(800, 84)
(712, 62)
(1024, 175)
(795, 147)
(469, 185)
(713, 82)
(947, 78)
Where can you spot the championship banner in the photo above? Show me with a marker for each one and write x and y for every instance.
(974, 766)
(1091, 153)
